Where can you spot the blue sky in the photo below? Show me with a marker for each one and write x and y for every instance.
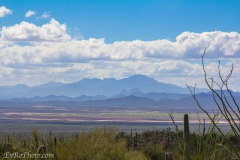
(117, 20)
(67, 40)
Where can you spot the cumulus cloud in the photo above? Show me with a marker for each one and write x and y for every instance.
(188, 45)
(4, 11)
(4, 44)
(25, 31)
(54, 54)
(63, 50)
(171, 71)
(30, 13)
(218, 44)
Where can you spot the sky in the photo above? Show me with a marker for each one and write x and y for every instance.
(68, 40)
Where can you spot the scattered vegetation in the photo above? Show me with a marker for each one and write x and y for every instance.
(108, 143)
(227, 108)
(215, 144)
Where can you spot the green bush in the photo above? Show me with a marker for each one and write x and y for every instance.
(96, 145)
(154, 151)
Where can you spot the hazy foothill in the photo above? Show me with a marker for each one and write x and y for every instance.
(135, 99)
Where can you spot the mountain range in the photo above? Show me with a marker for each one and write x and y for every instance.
(135, 92)
(87, 89)
(171, 103)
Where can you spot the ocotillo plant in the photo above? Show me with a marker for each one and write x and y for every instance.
(186, 137)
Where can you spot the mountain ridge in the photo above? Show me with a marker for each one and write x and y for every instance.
(92, 87)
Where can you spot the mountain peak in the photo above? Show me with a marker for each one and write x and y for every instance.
(49, 85)
(139, 80)
(135, 84)
(139, 76)
(21, 85)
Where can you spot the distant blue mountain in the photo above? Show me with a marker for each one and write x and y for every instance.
(135, 85)
(48, 85)
(130, 102)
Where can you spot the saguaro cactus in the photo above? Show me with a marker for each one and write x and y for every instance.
(55, 141)
(135, 140)
(186, 129)
(168, 156)
(105, 129)
(168, 137)
(204, 128)
(186, 135)
(35, 137)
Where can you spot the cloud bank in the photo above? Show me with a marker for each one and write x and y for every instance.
(188, 45)
(49, 53)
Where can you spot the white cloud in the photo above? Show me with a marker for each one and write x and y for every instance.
(45, 15)
(218, 44)
(170, 71)
(55, 56)
(4, 11)
(30, 13)
(52, 31)
(4, 44)
(187, 45)
(64, 50)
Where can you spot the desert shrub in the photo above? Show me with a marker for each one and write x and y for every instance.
(96, 145)
(154, 151)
